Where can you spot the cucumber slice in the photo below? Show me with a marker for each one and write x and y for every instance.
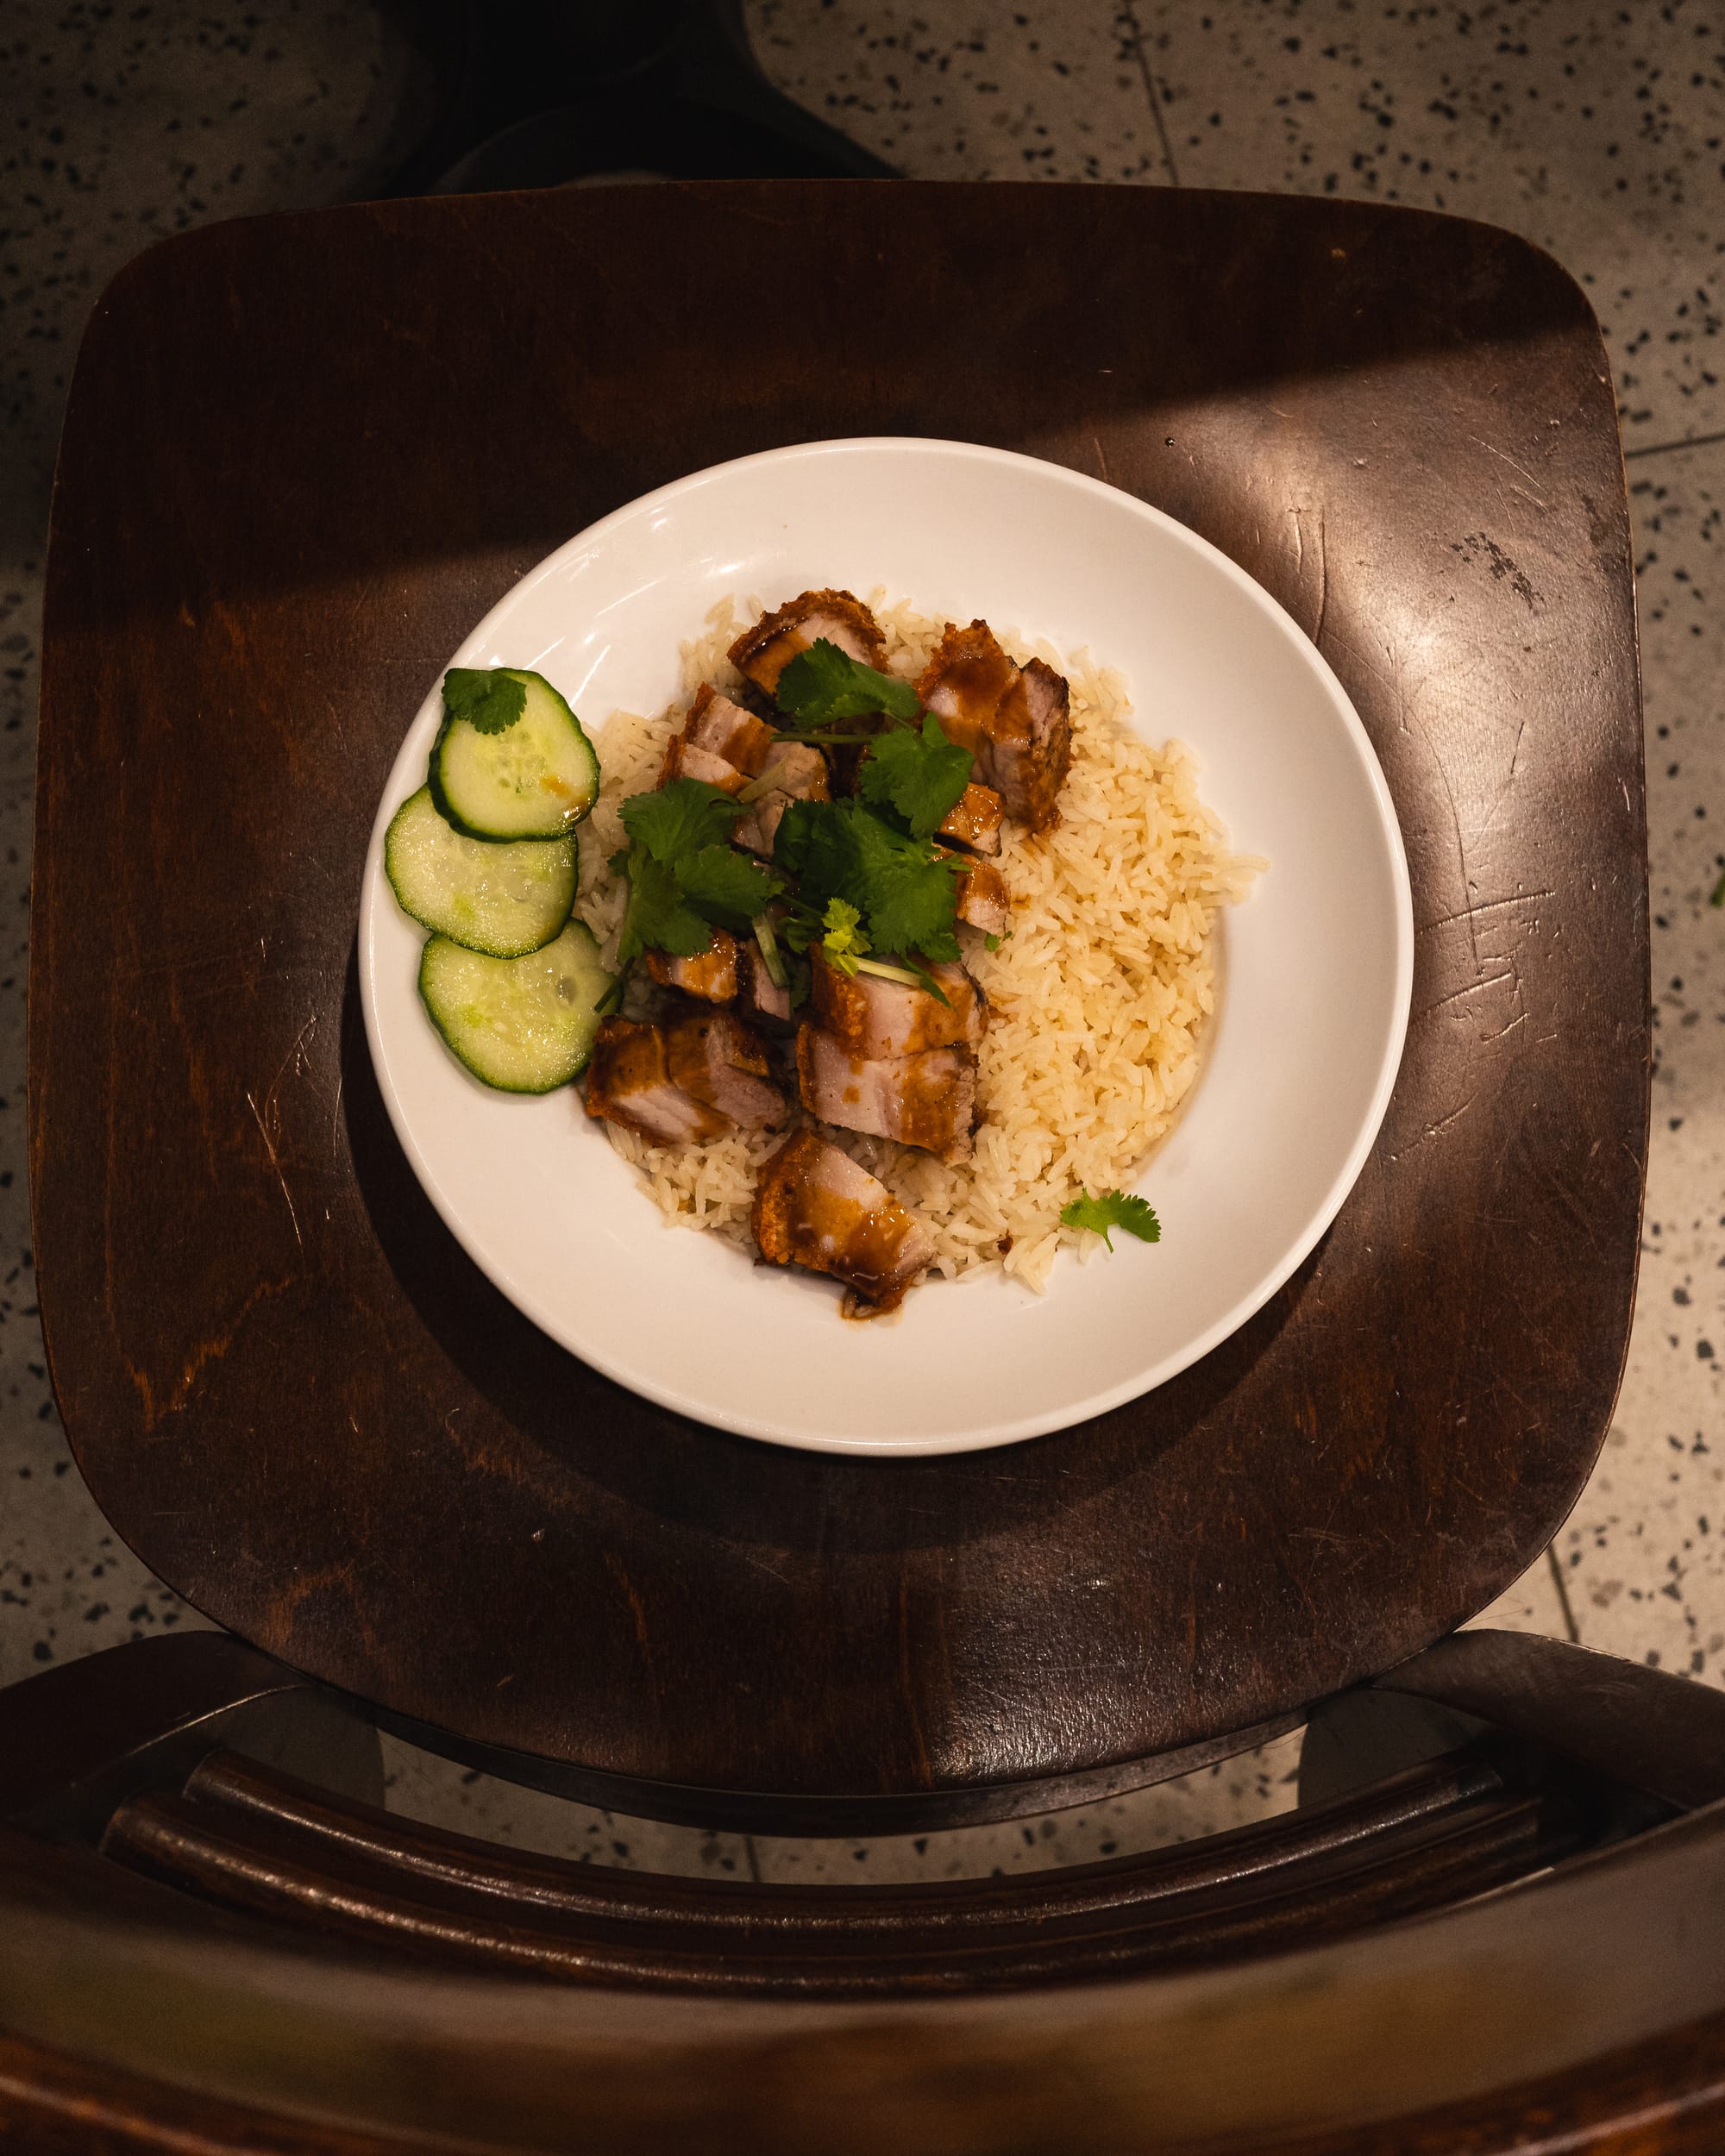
(502, 899)
(535, 779)
(522, 1025)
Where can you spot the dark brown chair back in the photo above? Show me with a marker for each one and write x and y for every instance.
(188, 1823)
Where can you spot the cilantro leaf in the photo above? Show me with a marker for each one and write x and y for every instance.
(920, 776)
(799, 929)
(810, 844)
(912, 902)
(679, 819)
(485, 697)
(904, 888)
(846, 939)
(841, 921)
(824, 683)
(930, 985)
(1113, 1209)
(724, 885)
(659, 915)
(682, 875)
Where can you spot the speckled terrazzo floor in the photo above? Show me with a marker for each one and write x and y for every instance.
(1596, 130)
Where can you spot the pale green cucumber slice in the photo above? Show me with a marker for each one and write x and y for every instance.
(500, 899)
(522, 1025)
(536, 779)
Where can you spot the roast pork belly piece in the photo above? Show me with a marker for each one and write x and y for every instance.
(1015, 722)
(762, 653)
(928, 1100)
(757, 997)
(983, 899)
(629, 1082)
(963, 684)
(1032, 745)
(704, 1076)
(815, 1206)
(872, 1018)
(685, 760)
(711, 976)
(726, 730)
(799, 770)
(730, 748)
(718, 1062)
(758, 825)
(974, 820)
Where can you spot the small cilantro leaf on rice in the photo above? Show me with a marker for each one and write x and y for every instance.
(1113, 1209)
(824, 684)
(485, 696)
(919, 775)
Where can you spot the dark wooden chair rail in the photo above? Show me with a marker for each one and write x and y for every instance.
(255, 1840)
(227, 1845)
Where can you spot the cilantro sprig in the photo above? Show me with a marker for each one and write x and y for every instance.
(678, 819)
(846, 940)
(913, 771)
(684, 879)
(919, 776)
(845, 944)
(1113, 1209)
(486, 697)
(823, 684)
(904, 889)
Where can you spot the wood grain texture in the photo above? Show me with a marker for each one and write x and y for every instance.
(1666, 2098)
(1500, 2025)
(303, 456)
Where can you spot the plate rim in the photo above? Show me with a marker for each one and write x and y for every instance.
(1323, 1214)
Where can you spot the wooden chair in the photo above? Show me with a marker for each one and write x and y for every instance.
(200, 1940)
(302, 455)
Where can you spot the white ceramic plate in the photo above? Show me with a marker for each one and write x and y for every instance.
(1316, 978)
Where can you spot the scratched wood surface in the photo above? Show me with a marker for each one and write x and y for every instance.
(303, 456)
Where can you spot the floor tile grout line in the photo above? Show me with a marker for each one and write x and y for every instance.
(1559, 1582)
(1663, 448)
(1152, 90)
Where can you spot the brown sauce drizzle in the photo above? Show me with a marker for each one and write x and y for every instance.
(865, 1242)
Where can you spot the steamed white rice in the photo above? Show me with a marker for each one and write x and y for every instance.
(1097, 1000)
